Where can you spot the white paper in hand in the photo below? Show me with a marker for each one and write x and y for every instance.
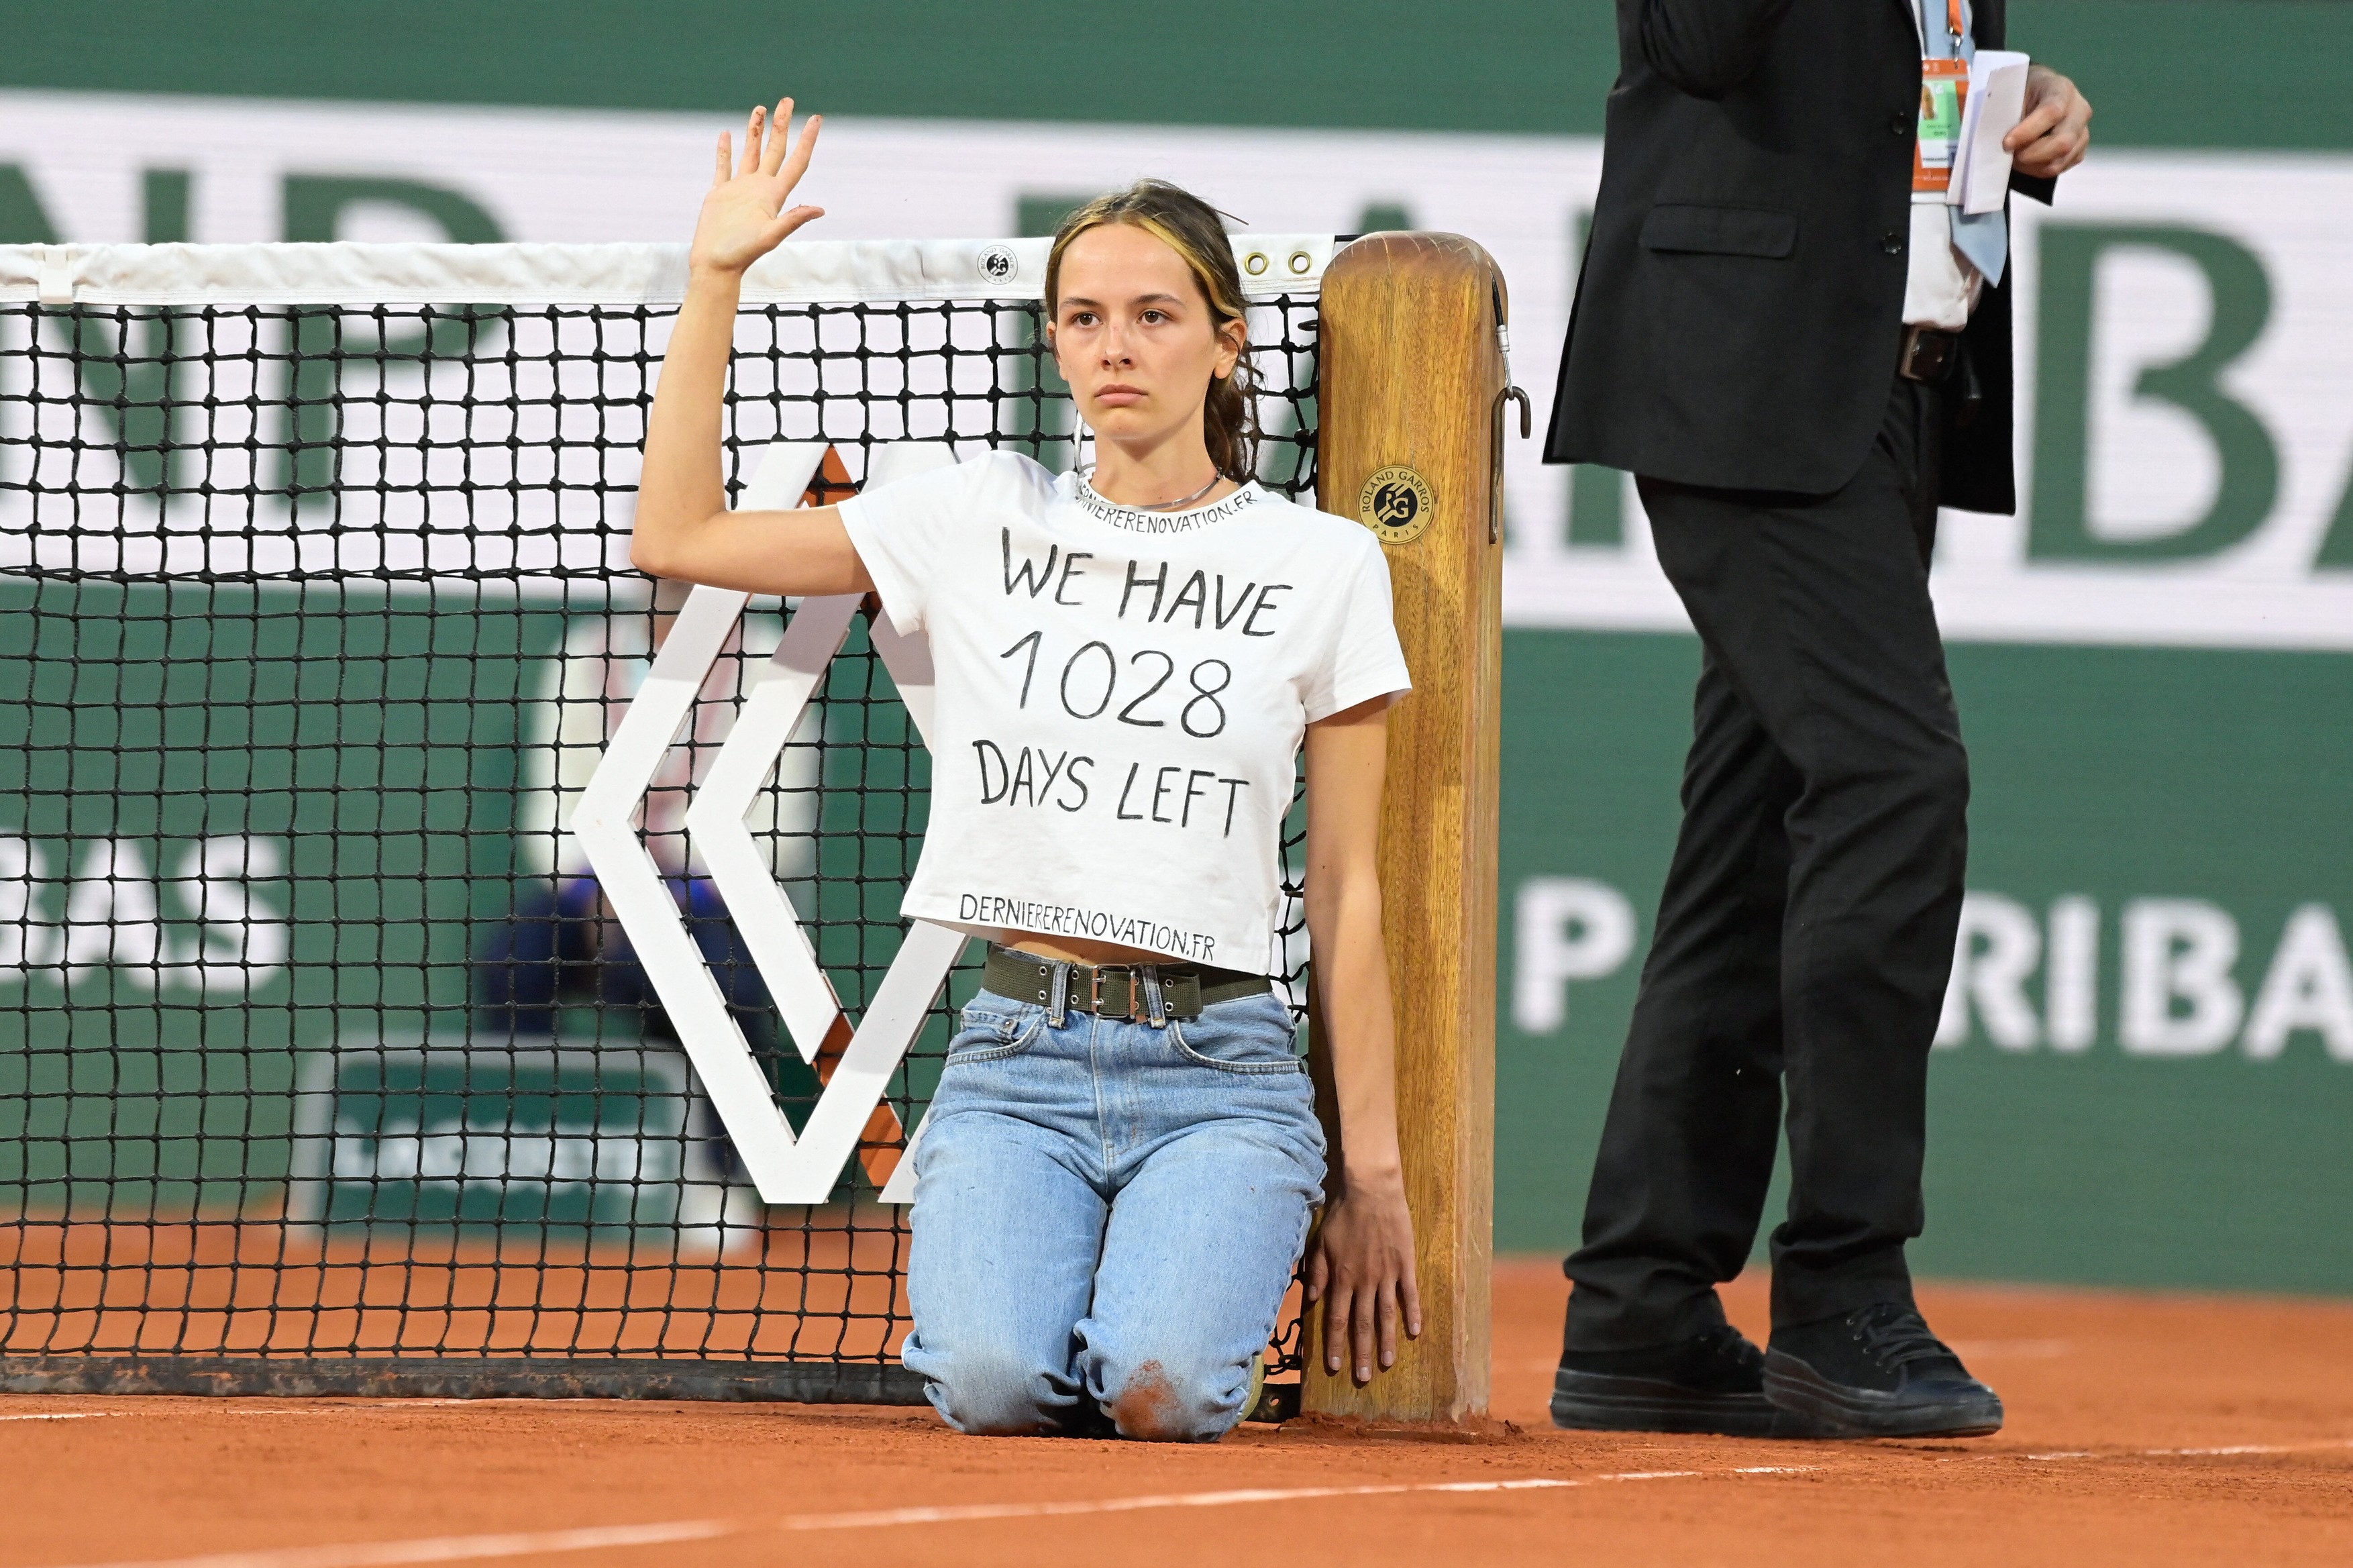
(1997, 102)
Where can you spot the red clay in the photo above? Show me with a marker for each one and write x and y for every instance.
(833, 1287)
(2096, 1384)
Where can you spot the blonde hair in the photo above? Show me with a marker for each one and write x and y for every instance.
(1192, 228)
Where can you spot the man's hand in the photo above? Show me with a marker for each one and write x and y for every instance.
(2056, 130)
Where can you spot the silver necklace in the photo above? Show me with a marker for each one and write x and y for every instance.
(1087, 479)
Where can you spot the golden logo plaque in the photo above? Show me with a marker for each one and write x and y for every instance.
(1396, 504)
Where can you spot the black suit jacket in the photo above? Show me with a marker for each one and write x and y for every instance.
(1740, 311)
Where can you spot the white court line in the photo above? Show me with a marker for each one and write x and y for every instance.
(2233, 1448)
(2248, 1448)
(467, 1548)
(458, 1548)
(391, 1405)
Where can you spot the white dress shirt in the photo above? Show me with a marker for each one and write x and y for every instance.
(1940, 284)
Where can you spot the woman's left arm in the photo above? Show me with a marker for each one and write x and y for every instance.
(1361, 1265)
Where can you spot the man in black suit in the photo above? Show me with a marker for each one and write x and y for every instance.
(1799, 362)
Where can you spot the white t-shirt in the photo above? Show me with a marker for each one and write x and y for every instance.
(1120, 698)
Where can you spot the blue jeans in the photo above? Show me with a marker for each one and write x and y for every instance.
(1107, 1216)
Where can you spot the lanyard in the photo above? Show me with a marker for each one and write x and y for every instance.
(1956, 23)
(1944, 95)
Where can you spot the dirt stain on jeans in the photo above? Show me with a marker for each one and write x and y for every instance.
(1148, 1407)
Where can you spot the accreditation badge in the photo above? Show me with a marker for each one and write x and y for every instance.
(1944, 94)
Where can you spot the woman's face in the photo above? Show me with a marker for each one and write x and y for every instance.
(1135, 337)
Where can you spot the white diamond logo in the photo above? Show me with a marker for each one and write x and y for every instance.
(854, 1064)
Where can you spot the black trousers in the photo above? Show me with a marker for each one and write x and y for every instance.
(1806, 932)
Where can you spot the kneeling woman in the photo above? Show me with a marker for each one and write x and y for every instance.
(1123, 1154)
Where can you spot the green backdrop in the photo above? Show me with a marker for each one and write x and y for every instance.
(2113, 774)
(2116, 773)
(2163, 73)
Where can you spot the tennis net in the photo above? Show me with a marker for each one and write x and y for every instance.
(325, 1064)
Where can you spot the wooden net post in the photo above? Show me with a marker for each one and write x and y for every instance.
(1412, 380)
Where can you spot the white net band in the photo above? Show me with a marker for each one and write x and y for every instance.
(352, 273)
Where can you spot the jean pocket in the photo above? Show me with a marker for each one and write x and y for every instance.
(994, 1026)
(1248, 1035)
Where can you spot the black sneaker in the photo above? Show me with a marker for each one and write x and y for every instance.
(1711, 1382)
(1877, 1372)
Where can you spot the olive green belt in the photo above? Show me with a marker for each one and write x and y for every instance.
(1149, 993)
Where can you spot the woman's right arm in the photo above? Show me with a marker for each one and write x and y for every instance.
(683, 528)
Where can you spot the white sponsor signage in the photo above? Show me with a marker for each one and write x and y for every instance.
(203, 930)
(2185, 418)
(432, 1134)
(2186, 984)
(2187, 978)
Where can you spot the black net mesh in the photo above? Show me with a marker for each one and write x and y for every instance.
(323, 1064)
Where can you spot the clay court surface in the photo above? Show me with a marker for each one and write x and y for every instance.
(2143, 1430)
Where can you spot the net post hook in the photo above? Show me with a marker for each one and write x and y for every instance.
(1508, 395)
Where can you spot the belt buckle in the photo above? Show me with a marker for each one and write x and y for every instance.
(1942, 348)
(1095, 984)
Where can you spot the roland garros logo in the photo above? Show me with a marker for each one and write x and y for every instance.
(1396, 504)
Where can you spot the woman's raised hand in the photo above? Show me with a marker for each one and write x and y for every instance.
(743, 216)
